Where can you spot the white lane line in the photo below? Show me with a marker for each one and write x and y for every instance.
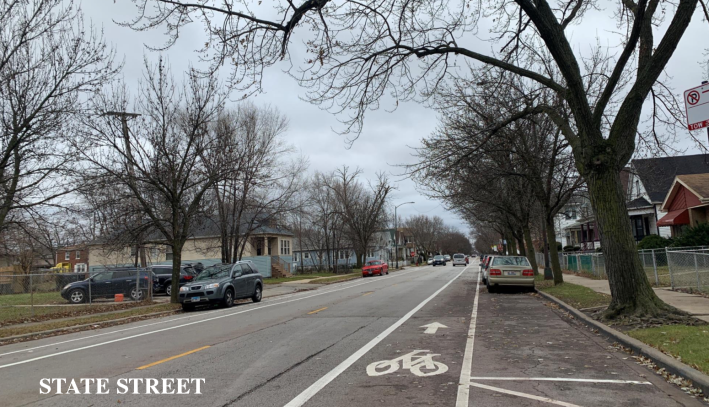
(278, 298)
(187, 324)
(308, 393)
(467, 367)
(525, 395)
(559, 379)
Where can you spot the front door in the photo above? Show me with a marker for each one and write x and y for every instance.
(638, 227)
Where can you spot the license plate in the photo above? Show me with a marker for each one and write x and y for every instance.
(511, 273)
(370, 272)
(195, 299)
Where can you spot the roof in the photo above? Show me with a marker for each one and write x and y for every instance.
(696, 184)
(639, 203)
(657, 174)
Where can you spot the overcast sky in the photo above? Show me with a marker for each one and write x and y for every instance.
(387, 137)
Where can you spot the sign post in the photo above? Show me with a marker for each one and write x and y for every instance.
(696, 102)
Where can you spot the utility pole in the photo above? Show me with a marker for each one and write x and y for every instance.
(704, 83)
(396, 231)
(140, 250)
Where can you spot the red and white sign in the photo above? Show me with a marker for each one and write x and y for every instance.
(696, 102)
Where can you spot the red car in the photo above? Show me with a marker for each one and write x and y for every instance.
(373, 267)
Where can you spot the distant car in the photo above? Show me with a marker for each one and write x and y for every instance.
(439, 260)
(430, 260)
(373, 267)
(222, 284)
(509, 271)
(447, 257)
(459, 259)
(106, 284)
(163, 274)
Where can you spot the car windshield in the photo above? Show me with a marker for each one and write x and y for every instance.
(458, 256)
(510, 261)
(214, 272)
(373, 263)
(438, 258)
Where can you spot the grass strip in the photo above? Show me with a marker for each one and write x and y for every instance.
(91, 319)
(25, 299)
(689, 344)
(575, 295)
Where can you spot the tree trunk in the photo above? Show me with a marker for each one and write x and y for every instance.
(511, 246)
(176, 262)
(630, 288)
(520, 243)
(531, 255)
(554, 252)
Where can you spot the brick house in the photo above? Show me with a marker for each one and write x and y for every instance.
(77, 256)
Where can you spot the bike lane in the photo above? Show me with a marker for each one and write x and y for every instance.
(411, 366)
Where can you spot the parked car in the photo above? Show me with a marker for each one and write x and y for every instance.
(163, 277)
(429, 261)
(373, 267)
(197, 266)
(509, 271)
(447, 257)
(106, 284)
(439, 260)
(222, 283)
(459, 259)
(484, 266)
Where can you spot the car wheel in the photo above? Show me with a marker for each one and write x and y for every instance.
(137, 295)
(228, 300)
(77, 296)
(168, 289)
(490, 287)
(257, 294)
(187, 307)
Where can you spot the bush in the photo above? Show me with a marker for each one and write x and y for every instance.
(696, 236)
(558, 246)
(654, 242)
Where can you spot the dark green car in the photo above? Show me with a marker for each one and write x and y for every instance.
(222, 284)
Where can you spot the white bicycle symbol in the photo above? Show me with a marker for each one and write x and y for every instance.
(412, 361)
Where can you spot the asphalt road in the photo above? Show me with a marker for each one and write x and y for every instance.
(360, 343)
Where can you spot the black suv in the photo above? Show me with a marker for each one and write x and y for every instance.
(163, 277)
(106, 284)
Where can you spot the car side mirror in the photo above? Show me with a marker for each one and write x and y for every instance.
(237, 275)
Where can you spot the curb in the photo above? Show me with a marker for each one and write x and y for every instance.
(672, 365)
(51, 331)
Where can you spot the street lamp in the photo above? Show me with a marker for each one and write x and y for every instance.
(396, 230)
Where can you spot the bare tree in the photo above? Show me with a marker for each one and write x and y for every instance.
(261, 183)
(361, 207)
(361, 51)
(168, 160)
(427, 232)
(50, 64)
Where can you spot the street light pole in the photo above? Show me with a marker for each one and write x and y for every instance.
(396, 230)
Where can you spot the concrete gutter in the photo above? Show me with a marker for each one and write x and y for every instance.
(672, 365)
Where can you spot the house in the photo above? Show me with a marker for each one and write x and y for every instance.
(649, 184)
(686, 203)
(268, 246)
(76, 256)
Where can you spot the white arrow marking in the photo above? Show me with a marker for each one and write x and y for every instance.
(433, 327)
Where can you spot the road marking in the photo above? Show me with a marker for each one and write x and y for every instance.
(371, 292)
(525, 395)
(308, 393)
(317, 310)
(433, 327)
(411, 361)
(467, 368)
(192, 323)
(560, 379)
(172, 358)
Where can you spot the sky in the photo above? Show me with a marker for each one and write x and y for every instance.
(388, 137)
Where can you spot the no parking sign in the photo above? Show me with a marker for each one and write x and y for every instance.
(696, 102)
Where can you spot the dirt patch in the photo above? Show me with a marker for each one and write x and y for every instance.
(627, 323)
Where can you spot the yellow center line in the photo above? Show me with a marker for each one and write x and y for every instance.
(317, 310)
(371, 292)
(172, 358)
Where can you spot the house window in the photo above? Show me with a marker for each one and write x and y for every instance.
(168, 253)
(78, 254)
(295, 256)
(306, 255)
(133, 251)
(67, 255)
(80, 268)
(285, 247)
(342, 254)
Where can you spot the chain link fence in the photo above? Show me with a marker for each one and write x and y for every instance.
(26, 296)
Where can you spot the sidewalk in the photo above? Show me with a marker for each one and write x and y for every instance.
(696, 305)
